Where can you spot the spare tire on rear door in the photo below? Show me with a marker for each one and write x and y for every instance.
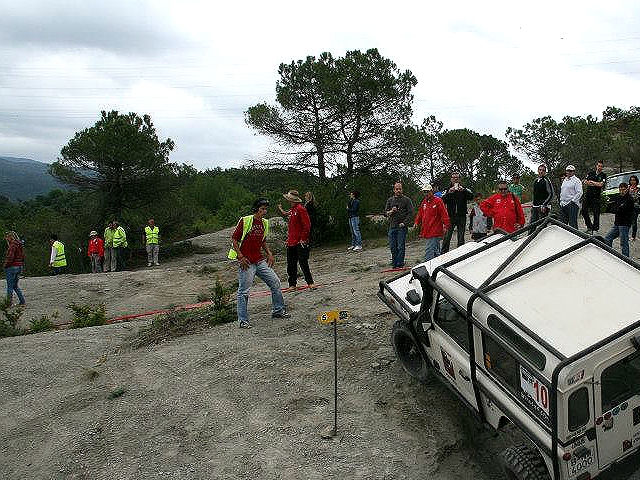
(408, 352)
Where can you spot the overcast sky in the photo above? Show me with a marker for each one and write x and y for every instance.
(195, 66)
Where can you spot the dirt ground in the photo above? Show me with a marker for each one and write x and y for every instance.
(229, 403)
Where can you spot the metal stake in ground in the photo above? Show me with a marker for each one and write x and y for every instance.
(333, 316)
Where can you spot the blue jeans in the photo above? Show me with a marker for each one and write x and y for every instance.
(570, 214)
(245, 280)
(621, 231)
(397, 238)
(13, 275)
(356, 238)
(432, 248)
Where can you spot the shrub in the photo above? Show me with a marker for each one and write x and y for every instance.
(88, 315)
(11, 316)
(42, 324)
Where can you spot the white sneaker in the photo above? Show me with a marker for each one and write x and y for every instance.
(157, 264)
(351, 247)
(358, 247)
(148, 264)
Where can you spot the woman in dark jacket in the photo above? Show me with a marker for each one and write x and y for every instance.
(13, 262)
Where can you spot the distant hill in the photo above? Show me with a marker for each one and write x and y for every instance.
(23, 178)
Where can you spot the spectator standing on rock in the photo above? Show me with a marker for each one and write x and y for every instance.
(399, 209)
(353, 213)
(433, 216)
(297, 239)
(505, 209)
(479, 224)
(249, 240)
(95, 251)
(455, 198)
(152, 242)
(109, 264)
(13, 264)
(119, 244)
(542, 195)
(57, 259)
(516, 187)
(570, 195)
(593, 184)
(623, 209)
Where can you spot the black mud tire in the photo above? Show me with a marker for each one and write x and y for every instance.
(408, 353)
(521, 462)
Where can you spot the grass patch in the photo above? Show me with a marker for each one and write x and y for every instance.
(88, 315)
(115, 393)
(178, 323)
(10, 318)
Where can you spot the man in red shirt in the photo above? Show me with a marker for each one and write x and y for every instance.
(433, 216)
(505, 209)
(95, 251)
(297, 239)
(249, 240)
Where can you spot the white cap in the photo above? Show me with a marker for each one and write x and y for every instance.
(571, 167)
(427, 187)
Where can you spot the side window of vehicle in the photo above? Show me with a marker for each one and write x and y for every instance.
(452, 322)
(578, 408)
(498, 360)
(620, 381)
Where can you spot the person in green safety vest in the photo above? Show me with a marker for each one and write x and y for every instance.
(119, 244)
(249, 240)
(151, 240)
(109, 264)
(57, 260)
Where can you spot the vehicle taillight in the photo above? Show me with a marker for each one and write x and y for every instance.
(567, 456)
(598, 420)
(626, 445)
(607, 415)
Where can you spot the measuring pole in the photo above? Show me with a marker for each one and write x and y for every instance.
(326, 318)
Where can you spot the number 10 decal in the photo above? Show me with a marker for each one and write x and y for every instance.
(534, 389)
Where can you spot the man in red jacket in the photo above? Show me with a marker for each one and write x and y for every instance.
(95, 251)
(297, 239)
(433, 216)
(505, 209)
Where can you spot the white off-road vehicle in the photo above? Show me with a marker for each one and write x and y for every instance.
(539, 329)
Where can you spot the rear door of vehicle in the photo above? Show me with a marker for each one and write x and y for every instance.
(617, 406)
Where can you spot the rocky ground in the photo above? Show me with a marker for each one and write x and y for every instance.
(224, 402)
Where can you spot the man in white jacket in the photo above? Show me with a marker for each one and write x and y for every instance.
(570, 195)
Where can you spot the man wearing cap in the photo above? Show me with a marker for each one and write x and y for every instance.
(249, 240)
(297, 239)
(542, 195)
(504, 208)
(594, 182)
(95, 251)
(399, 209)
(570, 195)
(433, 216)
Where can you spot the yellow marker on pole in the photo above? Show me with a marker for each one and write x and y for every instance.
(325, 318)
(331, 316)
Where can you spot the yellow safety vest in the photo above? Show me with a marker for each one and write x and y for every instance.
(152, 234)
(108, 237)
(119, 238)
(247, 223)
(60, 260)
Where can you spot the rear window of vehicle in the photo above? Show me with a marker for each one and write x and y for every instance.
(578, 409)
(620, 381)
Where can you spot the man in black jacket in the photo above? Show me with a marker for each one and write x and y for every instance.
(623, 210)
(542, 195)
(456, 198)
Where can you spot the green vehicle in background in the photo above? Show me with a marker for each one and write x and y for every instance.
(610, 191)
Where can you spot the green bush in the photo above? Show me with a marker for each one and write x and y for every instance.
(42, 324)
(10, 318)
(88, 315)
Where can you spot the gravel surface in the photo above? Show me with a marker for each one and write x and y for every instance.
(227, 403)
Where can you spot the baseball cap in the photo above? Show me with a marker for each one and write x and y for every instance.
(427, 187)
(571, 167)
